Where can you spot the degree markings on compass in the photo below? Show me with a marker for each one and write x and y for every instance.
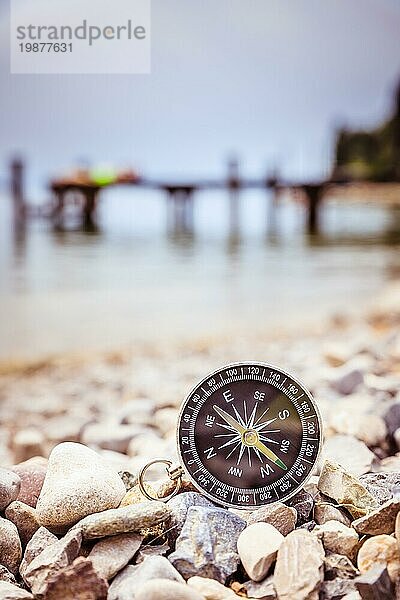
(310, 416)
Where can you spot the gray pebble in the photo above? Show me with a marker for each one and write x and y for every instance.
(207, 545)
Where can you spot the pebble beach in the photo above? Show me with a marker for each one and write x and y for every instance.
(76, 430)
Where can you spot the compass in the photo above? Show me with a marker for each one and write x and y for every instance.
(249, 434)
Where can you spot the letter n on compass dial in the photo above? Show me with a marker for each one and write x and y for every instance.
(248, 435)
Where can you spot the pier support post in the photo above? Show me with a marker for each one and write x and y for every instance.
(314, 194)
(233, 184)
(180, 214)
(17, 191)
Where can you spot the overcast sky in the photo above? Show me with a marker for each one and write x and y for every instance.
(266, 78)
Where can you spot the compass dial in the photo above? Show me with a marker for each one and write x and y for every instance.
(249, 434)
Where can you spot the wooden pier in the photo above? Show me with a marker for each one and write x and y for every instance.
(85, 192)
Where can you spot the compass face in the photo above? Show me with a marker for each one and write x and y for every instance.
(248, 435)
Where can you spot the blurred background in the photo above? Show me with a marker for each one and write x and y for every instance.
(250, 183)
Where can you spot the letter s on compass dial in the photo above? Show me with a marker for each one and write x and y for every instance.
(249, 434)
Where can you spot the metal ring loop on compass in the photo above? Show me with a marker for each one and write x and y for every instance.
(174, 473)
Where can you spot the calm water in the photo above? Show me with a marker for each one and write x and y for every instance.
(133, 281)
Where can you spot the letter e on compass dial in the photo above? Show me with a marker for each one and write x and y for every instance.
(249, 434)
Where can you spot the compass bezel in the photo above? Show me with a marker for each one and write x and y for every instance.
(234, 365)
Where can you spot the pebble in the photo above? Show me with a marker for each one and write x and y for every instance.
(352, 454)
(10, 485)
(346, 489)
(132, 577)
(392, 418)
(179, 506)
(348, 381)
(42, 539)
(303, 502)
(299, 570)
(282, 517)
(264, 590)
(337, 565)
(381, 485)
(380, 549)
(6, 575)
(207, 545)
(52, 559)
(147, 551)
(257, 546)
(32, 473)
(78, 581)
(127, 519)
(375, 583)
(210, 589)
(323, 512)
(337, 538)
(24, 518)
(110, 436)
(337, 588)
(78, 483)
(110, 555)
(28, 443)
(10, 546)
(8, 591)
(381, 520)
(163, 589)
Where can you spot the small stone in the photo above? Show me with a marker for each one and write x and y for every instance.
(112, 554)
(108, 436)
(337, 588)
(163, 589)
(8, 591)
(382, 550)
(397, 529)
(352, 454)
(281, 516)
(6, 575)
(155, 567)
(24, 518)
(348, 381)
(78, 483)
(337, 565)
(179, 508)
(207, 544)
(303, 502)
(128, 519)
(264, 590)
(381, 520)
(309, 526)
(257, 546)
(168, 486)
(299, 569)
(52, 559)
(336, 354)
(337, 538)
(375, 584)
(10, 546)
(210, 589)
(76, 581)
(147, 551)
(42, 539)
(129, 479)
(32, 473)
(392, 418)
(323, 512)
(381, 485)
(10, 484)
(28, 443)
(346, 489)
(135, 496)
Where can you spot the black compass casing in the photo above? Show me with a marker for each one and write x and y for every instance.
(249, 434)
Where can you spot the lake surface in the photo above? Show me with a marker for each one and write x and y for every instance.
(136, 281)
